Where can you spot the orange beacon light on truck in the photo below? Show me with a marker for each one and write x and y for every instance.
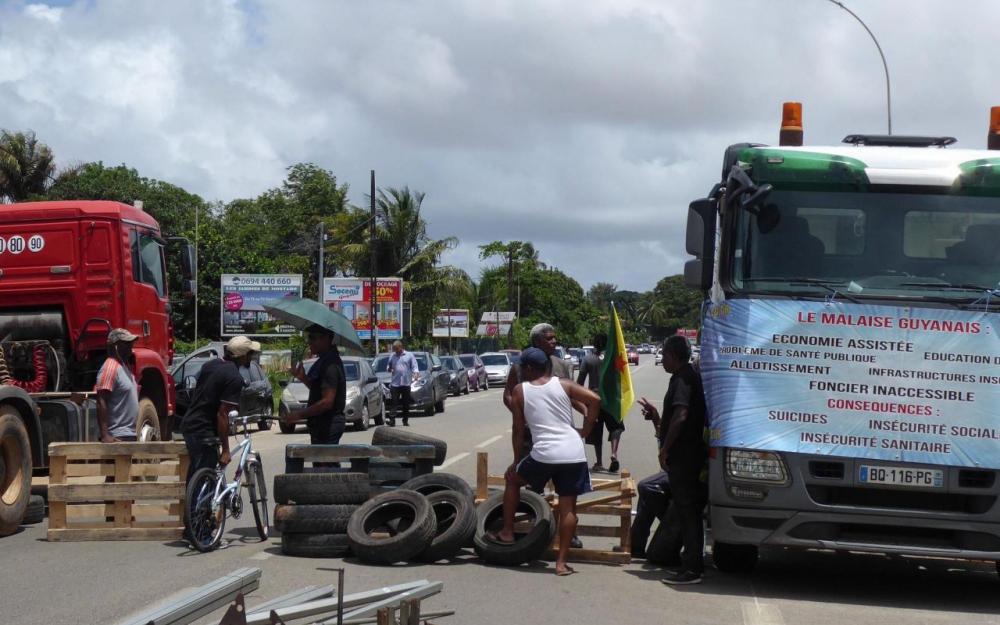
(791, 124)
(993, 138)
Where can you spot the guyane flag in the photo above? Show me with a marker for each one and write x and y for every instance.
(615, 388)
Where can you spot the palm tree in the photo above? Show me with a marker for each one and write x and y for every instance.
(26, 166)
(651, 310)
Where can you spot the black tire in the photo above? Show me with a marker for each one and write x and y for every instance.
(321, 488)
(315, 519)
(15, 489)
(315, 545)
(205, 527)
(380, 417)
(362, 424)
(412, 532)
(737, 559)
(286, 428)
(148, 416)
(257, 485)
(430, 483)
(455, 521)
(467, 384)
(35, 512)
(396, 436)
(527, 547)
(458, 391)
(439, 404)
(429, 410)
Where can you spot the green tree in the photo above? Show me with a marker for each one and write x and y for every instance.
(680, 306)
(26, 166)
(601, 294)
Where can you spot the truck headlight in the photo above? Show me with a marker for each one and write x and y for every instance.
(756, 466)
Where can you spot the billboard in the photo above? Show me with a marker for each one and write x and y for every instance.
(242, 295)
(351, 297)
(884, 383)
(495, 324)
(451, 322)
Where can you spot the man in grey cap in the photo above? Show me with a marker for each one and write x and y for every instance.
(117, 391)
(217, 392)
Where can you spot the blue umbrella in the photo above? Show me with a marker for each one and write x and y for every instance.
(303, 313)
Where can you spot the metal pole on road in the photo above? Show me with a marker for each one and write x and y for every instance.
(885, 66)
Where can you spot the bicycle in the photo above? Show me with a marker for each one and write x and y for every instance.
(209, 497)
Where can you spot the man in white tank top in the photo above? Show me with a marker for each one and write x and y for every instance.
(545, 405)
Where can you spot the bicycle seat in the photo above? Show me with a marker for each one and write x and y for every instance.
(212, 441)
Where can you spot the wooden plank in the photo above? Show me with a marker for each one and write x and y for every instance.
(115, 492)
(593, 555)
(89, 470)
(123, 507)
(57, 509)
(598, 530)
(583, 505)
(77, 535)
(154, 470)
(606, 485)
(101, 450)
(57, 470)
(139, 510)
(482, 475)
(608, 511)
(89, 511)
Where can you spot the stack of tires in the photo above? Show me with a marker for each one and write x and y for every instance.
(312, 511)
(428, 518)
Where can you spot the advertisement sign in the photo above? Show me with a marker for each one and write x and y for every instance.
(876, 382)
(242, 296)
(689, 333)
(451, 322)
(495, 324)
(352, 298)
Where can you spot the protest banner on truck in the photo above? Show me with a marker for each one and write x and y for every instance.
(352, 298)
(451, 322)
(242, 296)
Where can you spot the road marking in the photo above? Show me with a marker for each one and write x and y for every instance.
(263, 555)
(757, 613)
(489, 441)
(454, 459)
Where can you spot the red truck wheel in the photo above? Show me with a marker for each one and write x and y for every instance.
(15, 489)
(147, 416)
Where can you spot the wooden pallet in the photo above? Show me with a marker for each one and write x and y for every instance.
(610, 498)
(139, 485)
(386, 465)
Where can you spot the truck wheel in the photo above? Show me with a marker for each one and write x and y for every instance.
(15, 489)
(147, 417)
(730, 558)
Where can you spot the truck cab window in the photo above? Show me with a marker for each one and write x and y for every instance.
(147, 262)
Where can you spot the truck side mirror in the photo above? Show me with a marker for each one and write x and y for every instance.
(700, 243)
(190, 286)
(188, 268)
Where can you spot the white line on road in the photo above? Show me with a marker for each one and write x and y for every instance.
(489, 441)
(454, 459)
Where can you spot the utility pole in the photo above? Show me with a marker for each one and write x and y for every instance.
(319, 283)
(510, 289)
(196, 211)
(373, 317)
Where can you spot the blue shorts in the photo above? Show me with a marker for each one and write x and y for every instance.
(569, 480)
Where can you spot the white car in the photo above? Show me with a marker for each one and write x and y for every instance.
(497, 367)
(658, 359)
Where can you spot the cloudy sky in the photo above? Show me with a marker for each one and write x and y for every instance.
(585, 127)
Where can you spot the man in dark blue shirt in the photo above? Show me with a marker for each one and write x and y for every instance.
(327, 384)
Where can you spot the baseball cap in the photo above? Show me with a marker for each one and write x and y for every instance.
(534, 358)
(239, 346)
(254, 346)
(121, 334)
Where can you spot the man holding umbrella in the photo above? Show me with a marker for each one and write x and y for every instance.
(327, 384)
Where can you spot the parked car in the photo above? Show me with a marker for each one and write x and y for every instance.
(364, 401)
(576, 356)
(428, 392)
(658, 359)
(498, 366)
(458, 375)
(257, 399)
(633, 355)
(513, 354)
(477, 371)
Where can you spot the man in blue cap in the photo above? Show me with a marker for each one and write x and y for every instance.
(545, 404)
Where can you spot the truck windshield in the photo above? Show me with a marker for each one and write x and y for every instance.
(897, 245)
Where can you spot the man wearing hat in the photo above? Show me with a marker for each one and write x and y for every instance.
(545, 404)
(216, 393)
(117, 391)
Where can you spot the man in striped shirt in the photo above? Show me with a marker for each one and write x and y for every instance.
(117, 391)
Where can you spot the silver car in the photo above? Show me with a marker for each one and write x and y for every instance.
(363, 403)
(429, 390)
(497, 367)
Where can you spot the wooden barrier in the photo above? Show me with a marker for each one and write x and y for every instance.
(116, 491)
(386, 465)
(610, 498)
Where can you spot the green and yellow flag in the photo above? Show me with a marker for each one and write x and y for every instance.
(615, 387)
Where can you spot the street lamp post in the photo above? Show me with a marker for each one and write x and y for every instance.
(885, 66)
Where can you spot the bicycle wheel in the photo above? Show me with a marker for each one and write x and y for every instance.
(257, 486)
(206, 525)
